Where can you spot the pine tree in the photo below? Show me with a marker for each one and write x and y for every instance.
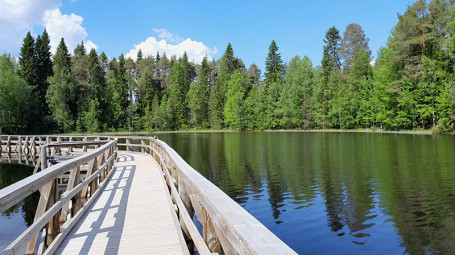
(274, 68)
(353, 40)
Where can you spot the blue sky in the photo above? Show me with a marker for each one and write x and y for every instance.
(202, 27)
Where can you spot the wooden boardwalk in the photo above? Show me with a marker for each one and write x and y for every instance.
(132, 215)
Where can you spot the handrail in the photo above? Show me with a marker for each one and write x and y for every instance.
(226, 222)
(53, 209)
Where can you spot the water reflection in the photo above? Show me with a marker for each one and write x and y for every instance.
(20, 216)
(336, 192)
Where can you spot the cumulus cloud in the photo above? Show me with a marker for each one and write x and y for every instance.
(17, 18)
(60, 25)
(195, 50)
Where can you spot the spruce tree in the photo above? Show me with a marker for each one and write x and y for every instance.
(44, 69)
(228, 65)
(27, 61)
(274, 68)
(139, 55)
(61, 95)
(198, 97)
(331, 57)
(94, 107)
(178, 81)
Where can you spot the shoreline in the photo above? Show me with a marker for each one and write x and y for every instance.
(367, 131)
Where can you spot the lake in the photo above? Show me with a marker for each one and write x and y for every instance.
(321, 193)
(16, 219)
(336, 193)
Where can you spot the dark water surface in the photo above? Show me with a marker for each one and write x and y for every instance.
(336, 193)
(16, 219)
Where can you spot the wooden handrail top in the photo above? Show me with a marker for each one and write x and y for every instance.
(14, 193)
(131, 137)
(61, 136)
(77, 143)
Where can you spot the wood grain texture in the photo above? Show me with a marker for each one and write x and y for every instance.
(132, 215)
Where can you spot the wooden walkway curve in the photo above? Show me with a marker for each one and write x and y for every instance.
(134, 214)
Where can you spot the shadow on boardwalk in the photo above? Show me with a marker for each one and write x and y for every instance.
(106, 217)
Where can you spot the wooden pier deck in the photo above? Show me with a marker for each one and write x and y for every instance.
(134, 214)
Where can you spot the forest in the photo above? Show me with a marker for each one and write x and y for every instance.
(410, 85)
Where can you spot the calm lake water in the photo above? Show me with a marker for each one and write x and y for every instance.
(321, 193)
(16, 219)
(336, 193)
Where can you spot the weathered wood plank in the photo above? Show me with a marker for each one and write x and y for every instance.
(119, 220)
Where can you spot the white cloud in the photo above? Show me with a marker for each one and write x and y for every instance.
(60, 25)
(195, 50)
(17, 17)
(164, 34)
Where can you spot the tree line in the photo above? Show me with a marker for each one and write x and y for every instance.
(411, 85)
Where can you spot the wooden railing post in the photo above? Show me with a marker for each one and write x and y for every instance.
(33, 147)
(128, 141)
(53, 227)
(143, 145)
(91, 169)
(43, 201)
(1, 146)
(19, 144)
(101, 160)
(209, 234)
(8, 145)
(43, 157)
(84, 148)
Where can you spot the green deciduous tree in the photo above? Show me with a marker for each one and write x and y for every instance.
(15, 98)
(295, 98)
(234, 110)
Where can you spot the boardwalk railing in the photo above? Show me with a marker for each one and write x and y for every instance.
(56, 214)
(25, 149)
(226, 226)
